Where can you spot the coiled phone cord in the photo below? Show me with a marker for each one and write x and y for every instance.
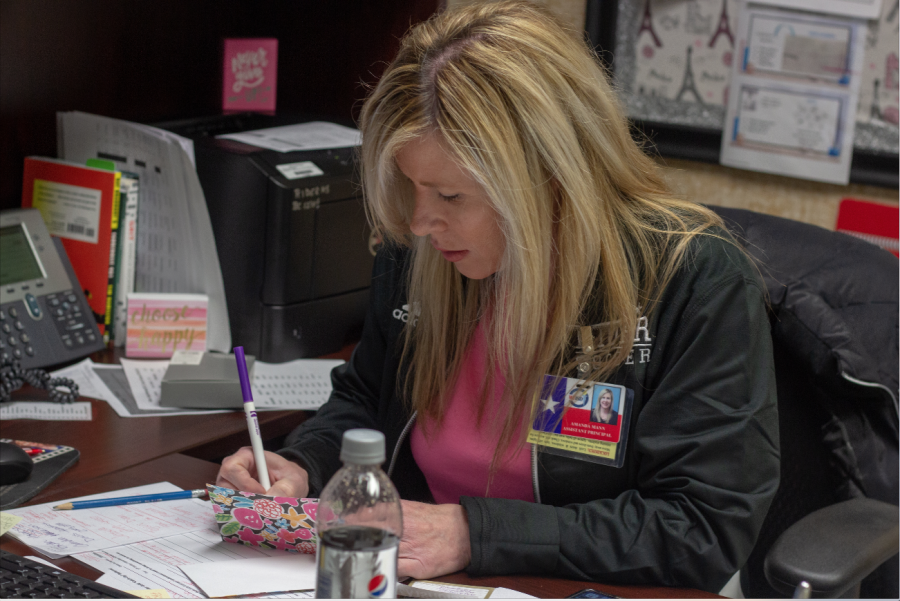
(13, 376)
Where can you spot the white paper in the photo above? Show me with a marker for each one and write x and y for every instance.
(145, 378)
(156, 563)
(82, 373)
(298, 384)
(443, 590)
(186, 358)
(176, 249)
(278, 573)
(45, 562)
(44, 411)
(865, 9)
(299, 170)
(794, 89)
(103, 390)
(127, 405)
(302, 384)
(314, 135)
(60, 533)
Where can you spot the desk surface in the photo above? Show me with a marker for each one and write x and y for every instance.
(190, 472)
(109, 443)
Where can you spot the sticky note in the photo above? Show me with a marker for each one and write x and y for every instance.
(7, 521)
(153, 593)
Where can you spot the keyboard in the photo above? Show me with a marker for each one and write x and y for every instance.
(22, 578)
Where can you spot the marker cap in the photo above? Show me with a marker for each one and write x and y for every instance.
(243, 376)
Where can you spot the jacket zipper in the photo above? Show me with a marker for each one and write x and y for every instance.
(403, 434)
(534, 474)
(890, 394)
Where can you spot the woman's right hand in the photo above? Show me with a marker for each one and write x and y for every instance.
(238, 472)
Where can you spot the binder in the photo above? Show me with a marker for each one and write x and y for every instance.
(80, 205)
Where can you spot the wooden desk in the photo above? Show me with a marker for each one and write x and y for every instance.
(190, 472)
(109, 443)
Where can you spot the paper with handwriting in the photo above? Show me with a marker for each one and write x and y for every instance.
(60, 533)
(156, 563)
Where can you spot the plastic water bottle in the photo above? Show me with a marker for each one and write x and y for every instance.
(359, 524)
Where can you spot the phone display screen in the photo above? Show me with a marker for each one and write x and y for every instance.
(18, 261)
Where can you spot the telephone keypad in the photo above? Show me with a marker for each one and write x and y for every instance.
(70, 324)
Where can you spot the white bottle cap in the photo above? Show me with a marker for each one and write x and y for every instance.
(362, 447)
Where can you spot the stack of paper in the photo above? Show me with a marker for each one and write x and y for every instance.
(61, 533)
(133, 389)
(176, 249)
(147, 546)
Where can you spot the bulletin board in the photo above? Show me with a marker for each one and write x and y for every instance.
(671, 63)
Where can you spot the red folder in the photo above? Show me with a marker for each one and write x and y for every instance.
(873, 222)
(80, 205)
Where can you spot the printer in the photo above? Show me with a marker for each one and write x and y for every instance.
(294, 244)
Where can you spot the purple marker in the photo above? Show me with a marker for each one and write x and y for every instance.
(252, 423)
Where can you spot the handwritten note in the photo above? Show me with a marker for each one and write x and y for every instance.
(155, 564)
(60, 533)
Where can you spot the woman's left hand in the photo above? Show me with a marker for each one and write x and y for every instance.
(435, 540)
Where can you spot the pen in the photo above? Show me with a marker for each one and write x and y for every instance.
(252, 423)
(165, 496)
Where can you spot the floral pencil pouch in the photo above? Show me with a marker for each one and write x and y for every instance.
(285, 523)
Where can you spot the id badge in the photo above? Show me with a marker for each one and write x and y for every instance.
(589, 422)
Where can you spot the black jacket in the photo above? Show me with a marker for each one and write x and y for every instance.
(701, 464)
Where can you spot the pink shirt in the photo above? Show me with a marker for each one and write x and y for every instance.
(455, 458)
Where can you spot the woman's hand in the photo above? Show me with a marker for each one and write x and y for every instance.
(435, 540)
(288, 478)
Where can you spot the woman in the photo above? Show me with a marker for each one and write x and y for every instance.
(527, 235)
(603, 412)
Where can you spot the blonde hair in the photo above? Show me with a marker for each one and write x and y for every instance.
(526, 108)
(595, 413)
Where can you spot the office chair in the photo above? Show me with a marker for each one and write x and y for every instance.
(833, 525)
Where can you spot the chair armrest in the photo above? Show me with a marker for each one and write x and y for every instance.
(834, 548)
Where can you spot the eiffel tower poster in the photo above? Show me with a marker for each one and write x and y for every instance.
(663, 68)
(724, 28)
(687, 84)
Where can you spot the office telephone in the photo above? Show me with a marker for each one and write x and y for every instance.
(44, 316)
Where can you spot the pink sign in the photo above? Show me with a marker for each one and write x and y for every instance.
(250, 75)
(160, 324)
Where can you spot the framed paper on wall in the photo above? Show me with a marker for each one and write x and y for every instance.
(671, 61)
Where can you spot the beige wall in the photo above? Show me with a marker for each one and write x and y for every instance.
(803, 200)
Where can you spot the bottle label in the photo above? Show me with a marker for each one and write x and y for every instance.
(349, 568)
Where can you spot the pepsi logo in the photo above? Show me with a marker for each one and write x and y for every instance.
(378, 585)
